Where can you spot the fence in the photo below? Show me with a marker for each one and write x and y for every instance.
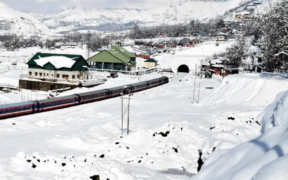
(91, 82)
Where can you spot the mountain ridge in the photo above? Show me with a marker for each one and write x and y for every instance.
(79, 19)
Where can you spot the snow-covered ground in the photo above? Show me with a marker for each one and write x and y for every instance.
(166, 131)
(263, 158)
(168, 128)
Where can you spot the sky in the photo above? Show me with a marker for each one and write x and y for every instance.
(54, 6)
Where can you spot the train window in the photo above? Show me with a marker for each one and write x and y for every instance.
(1, 112)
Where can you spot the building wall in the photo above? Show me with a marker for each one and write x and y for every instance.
(220, 38)
(150, 64)
(43, 85)
(53, 74)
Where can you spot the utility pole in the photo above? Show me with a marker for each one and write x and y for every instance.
(122, 112)
(194, 87)
(88, 44)
(199, 88)
(126, 110)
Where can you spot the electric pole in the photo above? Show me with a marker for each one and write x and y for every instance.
(126, 110)
(88, 44)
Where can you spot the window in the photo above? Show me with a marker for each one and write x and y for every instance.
(78, 76)
(1, 112)
(65, 76)
(47, 74)
(73, 76)
(36, 73)
(40, 74)
(58, 75)
(30, 73)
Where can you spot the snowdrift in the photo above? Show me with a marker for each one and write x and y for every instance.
(263, 158)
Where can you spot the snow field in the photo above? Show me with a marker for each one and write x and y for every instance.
(264, 157)
(166, 132)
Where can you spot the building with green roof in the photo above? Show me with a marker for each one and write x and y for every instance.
(150, 63)
(117, 58)
(48, 66)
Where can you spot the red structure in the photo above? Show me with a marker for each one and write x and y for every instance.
(144, 56)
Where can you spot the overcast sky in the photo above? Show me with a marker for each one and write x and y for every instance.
(52, 6)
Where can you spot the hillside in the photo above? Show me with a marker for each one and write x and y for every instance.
(148, 15)
(113, 18)
(17, 22)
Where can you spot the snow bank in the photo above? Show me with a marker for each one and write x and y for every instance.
(276, 114)
(265, 157)
(248, 89)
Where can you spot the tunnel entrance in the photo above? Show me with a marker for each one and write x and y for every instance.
(183, 68)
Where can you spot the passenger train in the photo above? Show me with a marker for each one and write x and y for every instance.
(31, 107)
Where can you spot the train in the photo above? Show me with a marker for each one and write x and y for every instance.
(30, 107)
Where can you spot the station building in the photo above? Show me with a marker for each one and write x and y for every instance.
(57, 67)
(117, 58)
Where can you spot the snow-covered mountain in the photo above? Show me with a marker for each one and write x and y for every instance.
(163, 13)
(153, 12)
(17, 22)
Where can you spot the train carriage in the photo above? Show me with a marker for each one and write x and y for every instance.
(115, 91)
(59, 102)
(93, 96)
(17, 109)
(139, 86)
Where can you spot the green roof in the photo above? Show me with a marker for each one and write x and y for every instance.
(151, 60)
(123, 51)
(39, 55)
(117, 54)
(110, 56)
(78, 65)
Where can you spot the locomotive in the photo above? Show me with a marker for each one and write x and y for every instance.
(30, 107)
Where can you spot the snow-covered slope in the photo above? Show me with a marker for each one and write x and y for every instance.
(149, 14)
(265, 157)
(17, 22)
(146, 13)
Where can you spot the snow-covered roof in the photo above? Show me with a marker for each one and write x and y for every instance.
(243, 13)
(57, 61)
(216, 61)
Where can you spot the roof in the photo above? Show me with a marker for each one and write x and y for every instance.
(16, 104)
(110, 56)
(57, 98)
(57, 61)
(34, 60)
(243, 13)
(151, 60)
(123, 51)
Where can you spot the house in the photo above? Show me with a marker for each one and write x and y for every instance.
(117, 58)
(150, 63)
(221, 37)
(144, 55)
(243, 15)
(57, 67)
